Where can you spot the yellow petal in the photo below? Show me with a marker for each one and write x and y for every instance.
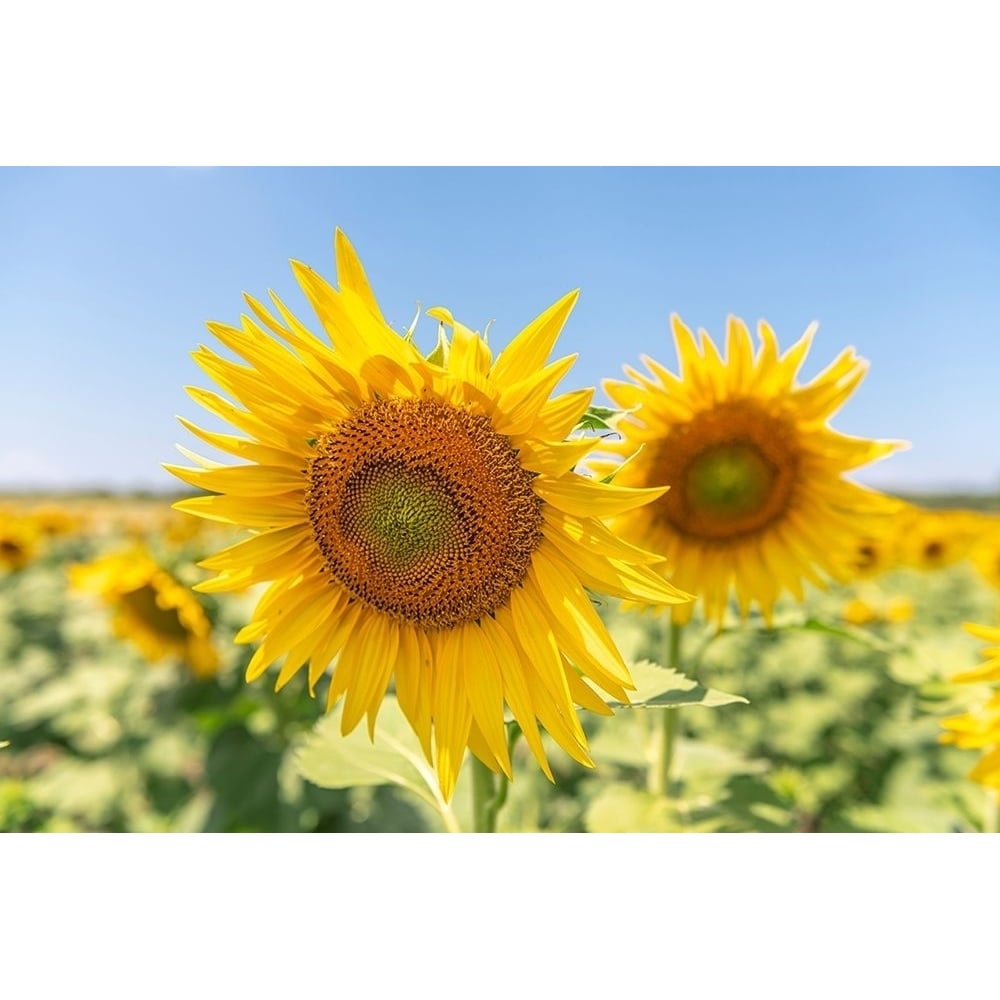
(530, 349)
(484, 687)
(586, 498)
(351, 274)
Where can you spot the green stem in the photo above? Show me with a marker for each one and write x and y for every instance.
(489, 790)
(666, 736)
(483, 793)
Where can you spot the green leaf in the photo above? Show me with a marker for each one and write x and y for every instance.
(846, 632)
(663, 687)
(794, 622)
(330, 760)
(596, 419)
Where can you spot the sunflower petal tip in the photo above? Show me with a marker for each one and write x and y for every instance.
(442, 315)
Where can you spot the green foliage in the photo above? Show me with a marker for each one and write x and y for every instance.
(663, 687)
(829, 726)
(394, 758)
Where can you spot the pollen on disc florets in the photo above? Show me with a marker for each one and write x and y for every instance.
(422, 510)
(732, 472)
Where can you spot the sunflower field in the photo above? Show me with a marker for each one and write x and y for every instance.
(122, 714)
(425, 593)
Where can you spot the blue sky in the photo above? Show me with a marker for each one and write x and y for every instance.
(107, 277)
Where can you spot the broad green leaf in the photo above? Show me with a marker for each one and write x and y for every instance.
(664, 687)
(330, 760)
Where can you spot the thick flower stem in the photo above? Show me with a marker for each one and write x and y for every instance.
(486, 798)
(666, 734)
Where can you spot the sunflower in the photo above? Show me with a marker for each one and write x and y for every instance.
(757, 500)
(980, 729)
(419, 521)
(934, 539)
(985, 550)
(151, 608)
(19, 541)
(872, 554)
(895, 611)
(859, 612)
(55, 522)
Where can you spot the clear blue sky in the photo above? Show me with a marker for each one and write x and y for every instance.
(107, 276)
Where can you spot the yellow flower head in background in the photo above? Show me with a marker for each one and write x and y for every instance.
(933, 539)
(419, 520)
(985, 549)
(55, 522)
(757, 500)
(980, 729)
(19, 541)
(895, 611)
(859, 612)
(871, 554)
(150, 609)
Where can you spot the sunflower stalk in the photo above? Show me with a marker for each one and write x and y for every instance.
(666, 734)
(487, 798)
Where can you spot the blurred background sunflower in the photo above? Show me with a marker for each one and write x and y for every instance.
(758, 500)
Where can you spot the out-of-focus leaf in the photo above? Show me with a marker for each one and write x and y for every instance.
(620, 808)
(664, 687)
(596, 419)
(394, 758)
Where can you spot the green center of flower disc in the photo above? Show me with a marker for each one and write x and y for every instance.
(729, 481)
(402, 514)
(733, 471)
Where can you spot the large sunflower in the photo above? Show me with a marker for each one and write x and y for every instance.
(757, 500)
(150, 608)
(419, 520)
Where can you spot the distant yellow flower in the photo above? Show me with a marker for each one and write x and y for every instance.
(419, 520)
(985, 550)
(980, 729)
(757, 501)
(933, 539)
(53, 521)
(151, 609)
(19, 542)
(896, 610)
(871, 554)
(858, 612)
